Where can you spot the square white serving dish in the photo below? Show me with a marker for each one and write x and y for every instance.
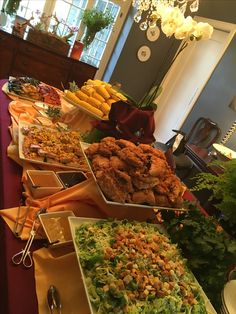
(81, 165)
(43, 183)
(75, 222)
(71, 178)
(86, 145)
(56, 227)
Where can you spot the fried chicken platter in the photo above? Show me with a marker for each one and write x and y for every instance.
(131, 174)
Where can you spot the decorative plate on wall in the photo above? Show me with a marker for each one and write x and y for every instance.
(153, 33)
(144, 53)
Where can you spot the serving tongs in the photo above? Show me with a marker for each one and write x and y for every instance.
(54, 300)
(20, 220)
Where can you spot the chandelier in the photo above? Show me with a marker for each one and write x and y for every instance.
(170, 15)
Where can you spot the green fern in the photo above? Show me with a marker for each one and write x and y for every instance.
(223, 188)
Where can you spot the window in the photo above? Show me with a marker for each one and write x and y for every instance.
(27, 7)
(71, 12)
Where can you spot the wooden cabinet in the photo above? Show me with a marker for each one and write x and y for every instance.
(19, 57)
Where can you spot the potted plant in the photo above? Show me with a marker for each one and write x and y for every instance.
(53, 40)
(95, 21)
(223, 189)
(10, 7)
(210, 251)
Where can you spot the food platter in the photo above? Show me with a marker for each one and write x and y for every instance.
(107, 201)
(224, 151)
(76, 223)
(43, 160)
(41, 92)
(6, 91)
(89, 113)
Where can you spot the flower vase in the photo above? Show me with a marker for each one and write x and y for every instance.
(77, 50)
(89, 37)
(3, 19)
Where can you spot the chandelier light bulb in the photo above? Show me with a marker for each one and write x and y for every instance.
(137, 17)
(194, 6)
(144, 26)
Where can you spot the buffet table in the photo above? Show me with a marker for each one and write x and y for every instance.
(17, 284)
(18, 293)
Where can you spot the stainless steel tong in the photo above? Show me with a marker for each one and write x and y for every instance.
(54, 300)
(20, 220)
(24, 256)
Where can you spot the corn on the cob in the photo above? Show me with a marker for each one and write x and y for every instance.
(111, 90)
(121, 96)
(110, 101)
(102, 91)
(94, 102)
(88, 90)
(98, 97)
(71, 96)
(89, 107)
(83, 103)
(114, 97)
(105, 108)
(81, 95)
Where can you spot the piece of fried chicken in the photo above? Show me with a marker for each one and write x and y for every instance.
(100, 162)
(159, 167)
(147, 149)
(170, 191)
(108, 147)
(143, 180)
(143, 197)
(115, 184)
(125, 144)
(117, 163)
(132, 156)
(92, 150)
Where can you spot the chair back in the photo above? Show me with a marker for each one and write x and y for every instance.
(203, 133)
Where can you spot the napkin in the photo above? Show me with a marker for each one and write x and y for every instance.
(84, 199)
(128, 122)
(23, 109)
(59, 268)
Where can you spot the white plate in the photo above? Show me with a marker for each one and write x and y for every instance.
(144, 53)
(6, 91)
(86, 145)
(153, 33)
(43, 104)
(91, 114)
(225, 151)
(76, 222)
(40, 160)
(229, 297)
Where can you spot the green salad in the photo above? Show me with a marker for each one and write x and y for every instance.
(131, 267)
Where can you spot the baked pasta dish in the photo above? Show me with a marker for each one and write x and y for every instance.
(53, 146)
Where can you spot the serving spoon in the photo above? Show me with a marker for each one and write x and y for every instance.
(54, 300)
